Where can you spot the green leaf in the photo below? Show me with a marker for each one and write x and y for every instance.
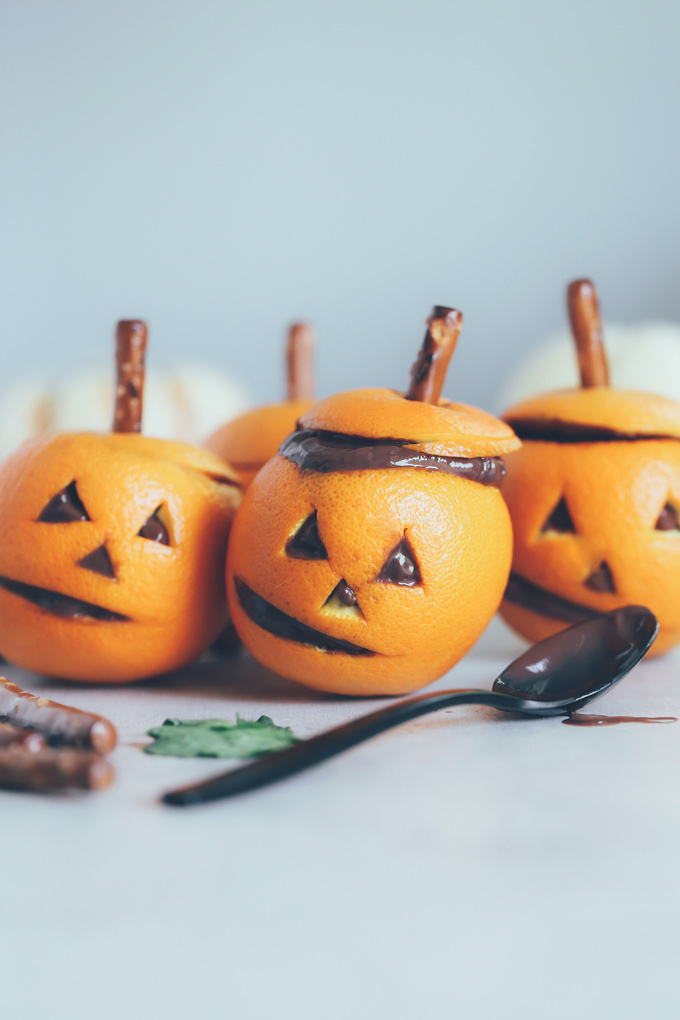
(217, 738)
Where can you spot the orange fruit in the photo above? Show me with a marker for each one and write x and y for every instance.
(253, 438)
(361, 563)
(594, 496)
(249, 441)
(112, 554)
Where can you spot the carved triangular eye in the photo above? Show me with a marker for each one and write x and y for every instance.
(306, 543)
(400, 567)
(560, 519)
(65, 508)
(669, 519)
(154, 529)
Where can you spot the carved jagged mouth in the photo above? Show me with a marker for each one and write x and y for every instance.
(278, 623)
(539, 600)
(54, 602)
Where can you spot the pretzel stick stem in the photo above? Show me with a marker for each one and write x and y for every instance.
(299, 362)
(586, 326)
(429, 369)
(130, 351)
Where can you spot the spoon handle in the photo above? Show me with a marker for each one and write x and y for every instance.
(281, 764)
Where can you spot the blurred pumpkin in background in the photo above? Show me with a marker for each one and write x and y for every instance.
(643, 357)
(184, 403)
(250, 440)
(594, 496)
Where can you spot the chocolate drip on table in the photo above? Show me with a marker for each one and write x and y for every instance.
(330, 451)
(581, 719)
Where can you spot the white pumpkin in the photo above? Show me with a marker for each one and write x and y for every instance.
(185, 403)
(645, 357)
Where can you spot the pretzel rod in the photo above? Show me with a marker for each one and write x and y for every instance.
(48, 769)
(299, 357)
(586, 326)
(59, 723)
(130, 351)
(29, 740)
(429, 369)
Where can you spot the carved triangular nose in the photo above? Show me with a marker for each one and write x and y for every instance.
(601, 579)
(99, 562)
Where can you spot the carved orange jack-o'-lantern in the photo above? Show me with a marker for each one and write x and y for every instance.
(370, 554)
(594, 496)
(249, 441)
(112, 546)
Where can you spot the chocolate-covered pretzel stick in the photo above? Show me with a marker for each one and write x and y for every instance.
(130, 351)
(429, 369)
(29, 740)
(53, 770)
(586, 325)
(299, 362)
(59, 723)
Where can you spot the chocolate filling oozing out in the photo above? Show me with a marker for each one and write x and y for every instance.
(553, 430)
(669, 519)
(154, 530)
(330, 451)
(278, 623)
(223, 480)
(65, 508)
(345, 593)
(546, 603)
(59, 605)
(401, 567)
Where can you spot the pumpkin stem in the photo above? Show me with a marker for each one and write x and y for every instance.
(130, 350)
(299, 361)
(429, 368)
(586, 326)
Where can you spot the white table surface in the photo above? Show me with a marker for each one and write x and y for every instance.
(466, 865)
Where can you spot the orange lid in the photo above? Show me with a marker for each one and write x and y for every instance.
(624, 411)
(442, 429)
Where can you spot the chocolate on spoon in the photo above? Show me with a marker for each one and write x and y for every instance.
(557, 676)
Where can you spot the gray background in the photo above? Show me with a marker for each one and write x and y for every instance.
(222, 168)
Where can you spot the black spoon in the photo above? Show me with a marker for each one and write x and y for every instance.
(557, 676)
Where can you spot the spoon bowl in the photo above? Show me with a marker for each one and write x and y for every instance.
(557, 676)
(570, 668)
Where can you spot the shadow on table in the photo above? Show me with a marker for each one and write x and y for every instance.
(240, 678)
